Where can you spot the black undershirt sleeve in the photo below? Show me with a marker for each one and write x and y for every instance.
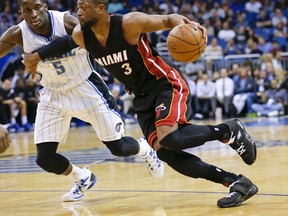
(57, 47)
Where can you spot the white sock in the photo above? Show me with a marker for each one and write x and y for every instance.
(13, 120)
(143, 148)
(24, 119)
(76, 172)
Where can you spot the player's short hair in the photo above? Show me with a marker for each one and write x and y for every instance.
(20, 1)
(104, 2)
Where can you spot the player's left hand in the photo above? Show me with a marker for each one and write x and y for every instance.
(197, 25)
(30, 61)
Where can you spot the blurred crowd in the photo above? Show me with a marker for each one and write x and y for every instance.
(233, 27)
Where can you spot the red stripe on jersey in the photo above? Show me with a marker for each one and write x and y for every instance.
(155, 65)
(159, 68)
(151, 138)
(178, 106)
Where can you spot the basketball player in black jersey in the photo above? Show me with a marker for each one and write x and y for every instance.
(162, 98)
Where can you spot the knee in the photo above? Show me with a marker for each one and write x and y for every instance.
(46, 156)
(171, 140)
(126, 146)
(46, 163)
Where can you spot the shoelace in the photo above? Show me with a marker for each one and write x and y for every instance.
(152, 163)
(241, 149)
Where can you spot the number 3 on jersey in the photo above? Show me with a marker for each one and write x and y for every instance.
(127, 68)
(60, 69)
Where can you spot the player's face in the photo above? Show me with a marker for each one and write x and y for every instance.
(87, 13)
(34, 12)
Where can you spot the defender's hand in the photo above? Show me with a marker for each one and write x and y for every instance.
(31, 61)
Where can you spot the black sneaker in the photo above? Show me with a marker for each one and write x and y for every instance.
(240, 190)
(240, 141)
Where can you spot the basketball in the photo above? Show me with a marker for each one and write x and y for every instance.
(186, 44)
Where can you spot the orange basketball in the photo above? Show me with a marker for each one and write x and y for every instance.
(186, 44)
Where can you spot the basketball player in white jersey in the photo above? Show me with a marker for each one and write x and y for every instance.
(71, 88)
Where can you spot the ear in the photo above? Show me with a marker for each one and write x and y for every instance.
(20, 14)
(45, 6)
(101, 8)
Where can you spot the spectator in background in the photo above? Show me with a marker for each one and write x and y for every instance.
(241, 21)
(226, 33)
(212, 52)
(185, 9)
(270, 71)
(234, 74)
(20, 89)
(192, 86)
(237, 6)
(210, 28)
(15, 103)
(263, 20)
(218, 10)
(241, 37)
(278, 17)
(280, 30)
(217, 24)
(4, 23)
(273, 101)
(253, 6)
(244, 91)
(275, 47)
(255, 49)
(251, 34)
(168, 7)
(205, 98)
(115, 6)
(19, 73)
(264, 46)
(277, 61)
(225, 91)
(231, 48)
(262, 82)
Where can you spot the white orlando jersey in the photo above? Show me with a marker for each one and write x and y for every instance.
(61, 73)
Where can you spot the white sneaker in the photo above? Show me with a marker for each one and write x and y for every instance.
(154, 164)
(79, 187)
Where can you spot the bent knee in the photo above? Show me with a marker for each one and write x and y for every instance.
(126, 146)
(46, 163)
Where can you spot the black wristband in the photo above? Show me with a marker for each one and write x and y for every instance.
(57, 48)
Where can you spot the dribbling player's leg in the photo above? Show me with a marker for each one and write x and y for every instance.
(241, 188)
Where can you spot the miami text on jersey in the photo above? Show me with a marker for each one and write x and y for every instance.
(113, 58)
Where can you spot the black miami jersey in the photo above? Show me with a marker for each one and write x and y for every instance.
(137, 66)
(162, 95)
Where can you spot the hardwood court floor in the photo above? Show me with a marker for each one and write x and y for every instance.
(124, 186)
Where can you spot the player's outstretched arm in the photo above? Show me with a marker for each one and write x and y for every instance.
(136, 23)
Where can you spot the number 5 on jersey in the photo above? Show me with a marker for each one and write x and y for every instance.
(60, 69)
